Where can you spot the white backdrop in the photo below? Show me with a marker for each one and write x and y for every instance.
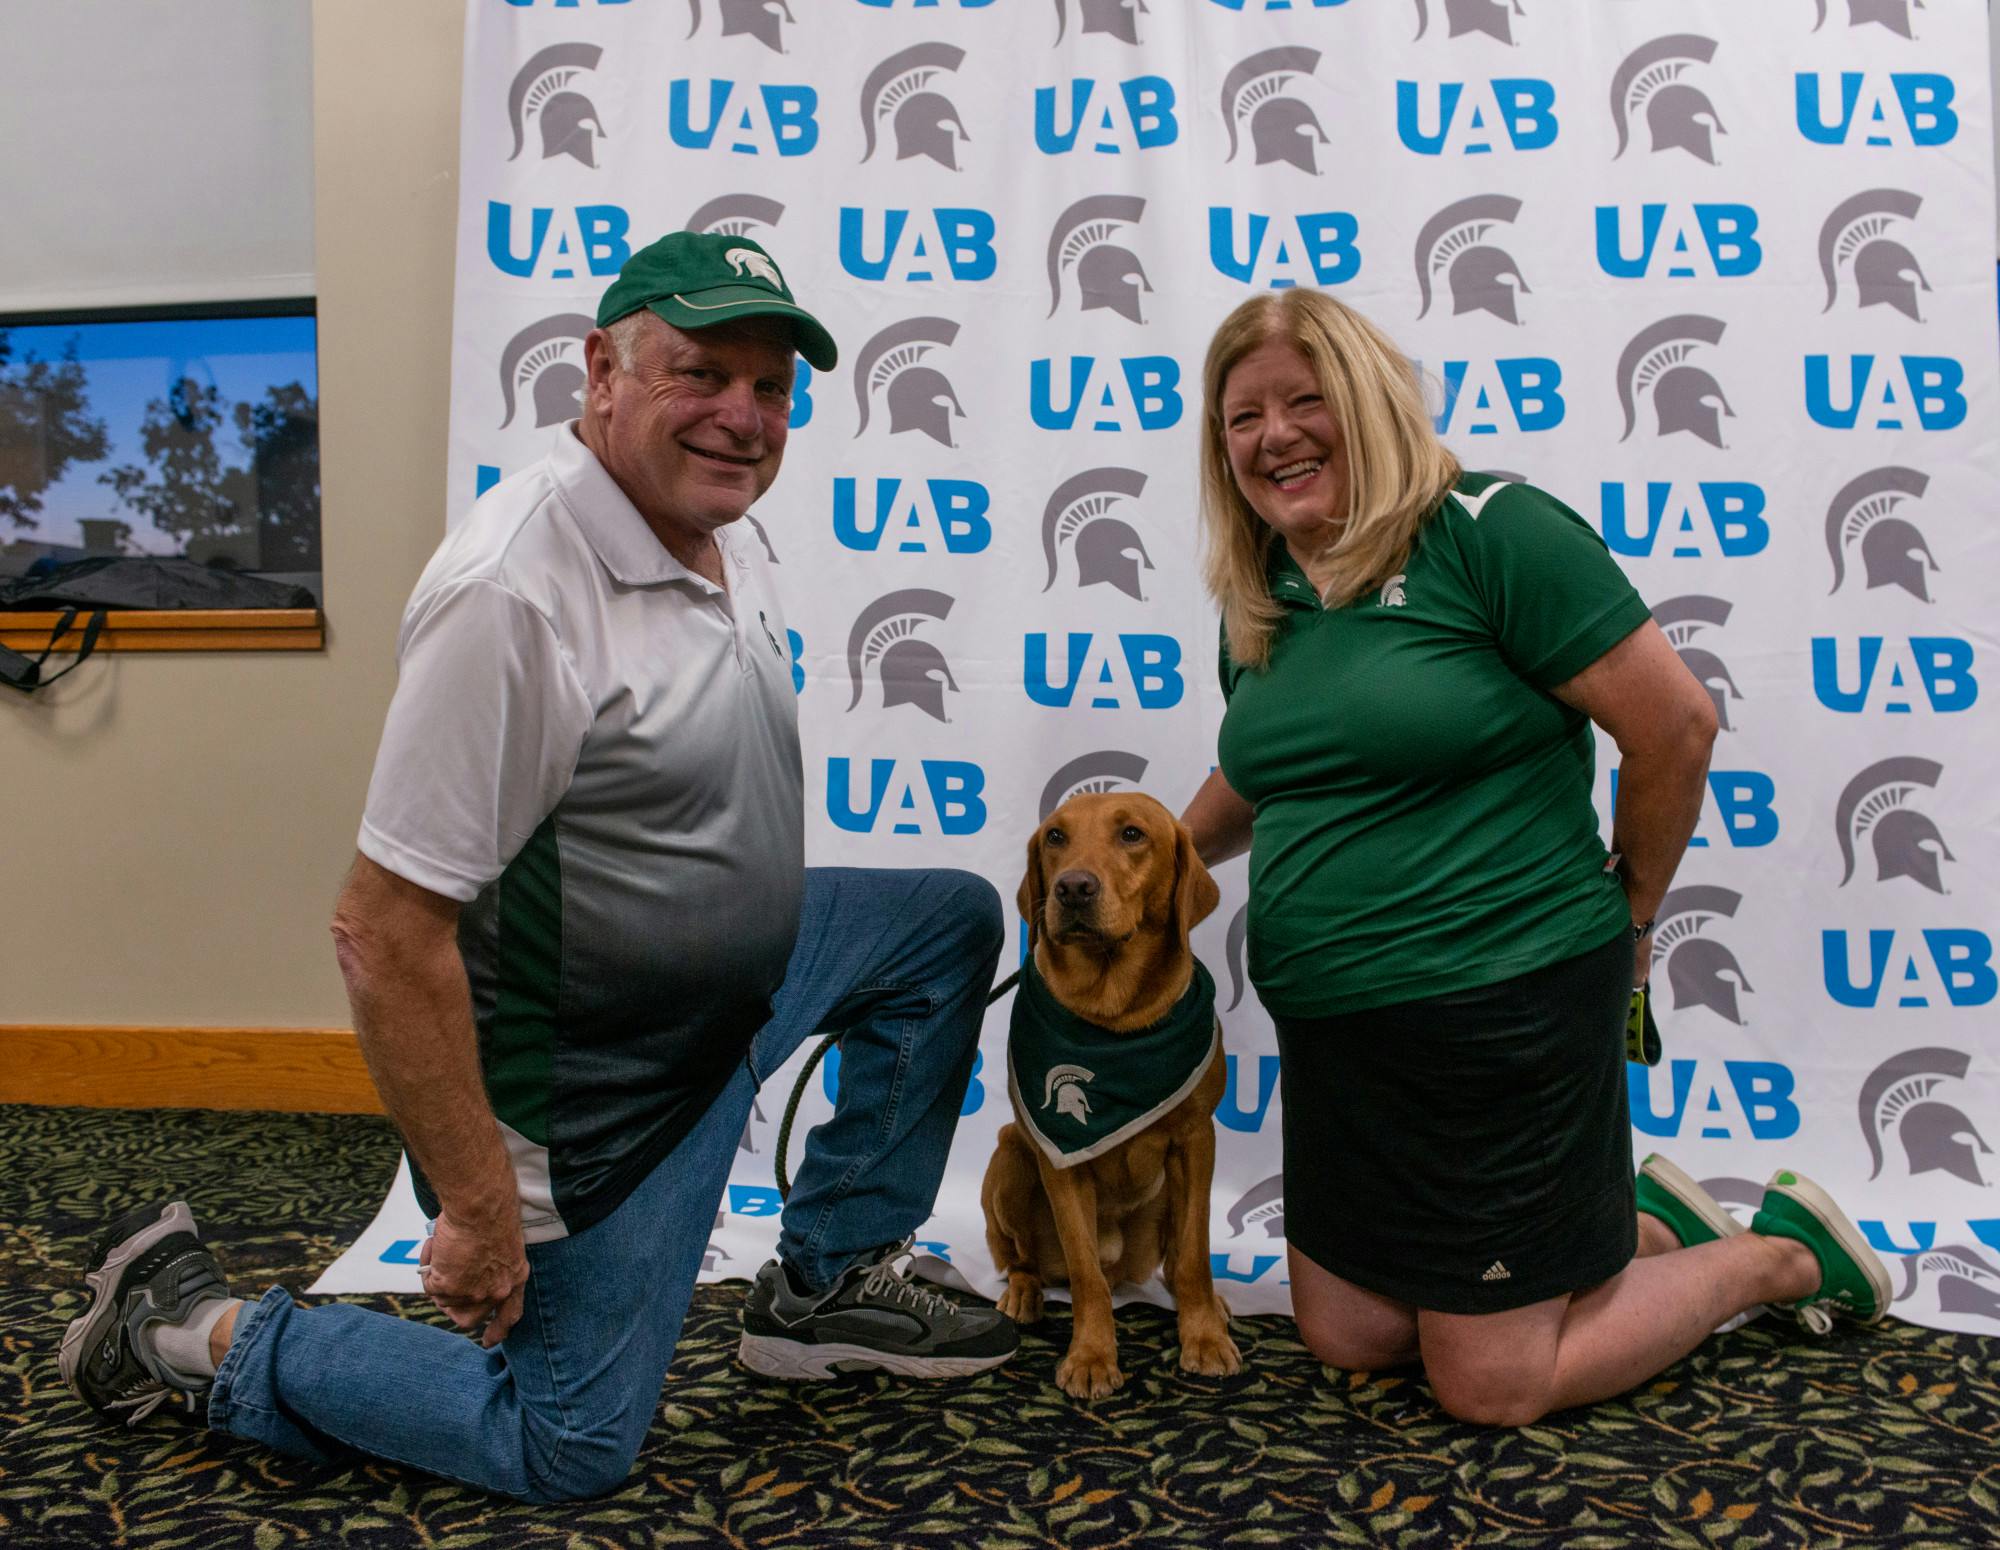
(1715, 274)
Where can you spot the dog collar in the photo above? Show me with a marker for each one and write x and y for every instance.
(1081, 1089)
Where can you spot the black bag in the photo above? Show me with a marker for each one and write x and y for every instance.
(25, 673)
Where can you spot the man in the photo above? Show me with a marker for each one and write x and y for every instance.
(578, 934)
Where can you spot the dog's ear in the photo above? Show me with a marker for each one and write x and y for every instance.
(1195, 892)
(1028, 899)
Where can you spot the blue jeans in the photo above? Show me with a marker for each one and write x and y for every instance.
(903, 960)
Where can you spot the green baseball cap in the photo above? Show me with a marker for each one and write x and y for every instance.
(697, 279)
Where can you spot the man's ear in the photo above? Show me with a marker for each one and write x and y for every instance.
(1028, 899)
(600, 359)
(1195, 892)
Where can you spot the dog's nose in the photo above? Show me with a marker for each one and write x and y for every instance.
(1075, 890)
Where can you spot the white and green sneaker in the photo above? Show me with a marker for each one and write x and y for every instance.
(1693, 1214)
(1853, 1281)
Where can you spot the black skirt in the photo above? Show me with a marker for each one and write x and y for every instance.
(1467, 1153)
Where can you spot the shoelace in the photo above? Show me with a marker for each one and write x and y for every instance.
(1816, 1318)
(145, 1397)
(890, 1280)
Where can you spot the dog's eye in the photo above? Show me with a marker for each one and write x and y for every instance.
(1131, 834)
(1055, 837)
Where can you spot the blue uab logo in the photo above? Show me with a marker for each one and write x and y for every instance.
(1678, 242)
(1910, 392)
(1233, 1113)
(950, 243)
(1910, 970)
(1902, 109)
(1894, 676)
(1277, 252)
(750, 120)
(912, 516)
(1747, 1100)
(1739, 804)
(930, 797)
(1476, 118)
(1713, 518)
(1104, 672)
(1109, 118)
(543, 243)
(1485, 397)
(1140, 392)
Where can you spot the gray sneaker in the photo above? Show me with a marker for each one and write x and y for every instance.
(874, 1318)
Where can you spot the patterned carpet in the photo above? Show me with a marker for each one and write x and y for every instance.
(1882, 1437)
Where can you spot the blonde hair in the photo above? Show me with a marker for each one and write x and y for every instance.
(1397, 471)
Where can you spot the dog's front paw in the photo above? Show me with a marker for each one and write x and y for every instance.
(1089, 1374)
(1022, 1301)
(1210, 1352)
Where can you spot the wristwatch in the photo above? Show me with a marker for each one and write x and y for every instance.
(1641, 928)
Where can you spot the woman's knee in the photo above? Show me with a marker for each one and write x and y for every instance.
(1356, 1345)
(1488, 1393)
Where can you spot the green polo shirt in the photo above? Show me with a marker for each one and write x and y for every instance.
(1423, 804)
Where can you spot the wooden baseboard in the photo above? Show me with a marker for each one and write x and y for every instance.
(300, 1070)
(174, 629)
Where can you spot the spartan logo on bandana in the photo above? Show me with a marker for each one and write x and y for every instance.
(1701, 970)
(1907, 1097)
(1967, 1283)
(1063, 1091)
(885, 640)
(1861, 238)
(898, 92)
(1262, 1203)
(1082, 516)
(737, 215)
(1868, 512)
(1495, 18)
(1453, 248)
(1282, 127)
(1893, 14)
(1111, 769)
(920, 397)
(762, 19)
(1685, 396)
(1106, 273)
(1875, 806)
(542, 95)
(1651, 84)
(1115, 18)
(543, 365)
(1685, 621)
(1232, 947)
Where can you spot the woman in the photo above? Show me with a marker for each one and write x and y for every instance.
(1413, 657)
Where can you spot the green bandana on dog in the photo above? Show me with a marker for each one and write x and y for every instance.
(1081, 1089)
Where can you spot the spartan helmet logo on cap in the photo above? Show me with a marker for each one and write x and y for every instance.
(1677, 113)
(912, 670)
(1453, 247)
(1495, 18)
(1893, 14)
(763, 19)
(1106, 546)
(1111, 769)
(541, 94)
(1232, 949)
(923, 121)
(1108, 274)
(1685, 397)
(1900, 1097)
(1064, 1089)
(749, 264)
(1701, 971)
(1682, 620)
(1966, 1282)
(1262, 1202)
(1861, 236)
(1867, 511)
(1282, 127)
(1875, 806)
(736, 215)
(543, 365)
(921, 398)
(1118, 18)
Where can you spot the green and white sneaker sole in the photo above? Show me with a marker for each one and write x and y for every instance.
(1684, 1199)
(1839, 1234)
(775, 1357)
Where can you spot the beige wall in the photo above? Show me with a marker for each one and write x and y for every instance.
(176, 826)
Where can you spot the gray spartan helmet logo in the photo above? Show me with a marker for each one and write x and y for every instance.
(1263, 1202)
(543, 364)
(1107, 274)
(1495, 18)
(1867, 511)
(1110, 770)
(1966, 1283)
(1861, 233)
(921, 398)
(1676, 113)
(1106, 546)
(924, 121)
(912, 670)
(1875, 806)
(736, 215)
(1893, 14)
(1482, 277)
(1232, 949)
(541, 92)
(762, 19)
(1701, 971)
(1685, 397)
(1119, 18)
(1900, 1097)
(1282, 128)
(1681, 620)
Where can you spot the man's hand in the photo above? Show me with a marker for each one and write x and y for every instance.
(476, 1275)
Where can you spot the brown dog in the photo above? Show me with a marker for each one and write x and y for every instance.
(1112, 889)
